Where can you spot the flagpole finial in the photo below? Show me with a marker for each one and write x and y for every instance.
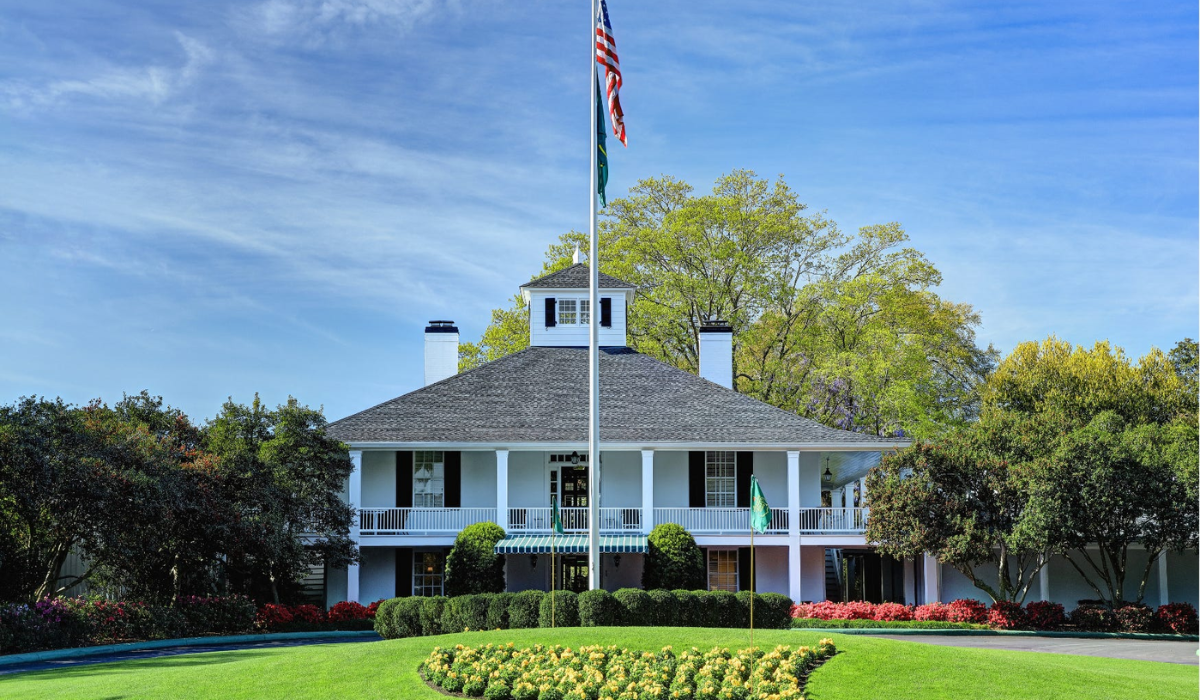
(575, 257)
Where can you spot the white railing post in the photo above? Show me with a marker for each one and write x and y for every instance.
(793, 486)
(647, 491)
(502, 489)
(354, 494)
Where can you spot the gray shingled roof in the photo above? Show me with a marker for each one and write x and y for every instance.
(575, 277)
(540, 395)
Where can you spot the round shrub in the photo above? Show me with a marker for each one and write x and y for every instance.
(406, 616)
(1007, 615)
(932, 612)
(1093, 617)
(1045, 615)
(721, 609)
(893, 612)
(672, 559)
(966, 610)
(473, 565)
(1179, 618)
(385, 626)
(465, 612)
(634, 605)
(689, 609)
(524, 609)
(563, 606)
(664, 608)
(1134, 617)
(773, 610)
(598, 608)
(497, 613)
(433, 608)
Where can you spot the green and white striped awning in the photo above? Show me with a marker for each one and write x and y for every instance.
(571, 544)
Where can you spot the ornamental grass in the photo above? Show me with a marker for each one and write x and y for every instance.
(504, 672)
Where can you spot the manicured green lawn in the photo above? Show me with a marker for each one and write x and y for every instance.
(864, 668)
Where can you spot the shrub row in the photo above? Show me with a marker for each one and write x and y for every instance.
(630, 607)
(346, 615)
(817, 623)
(1178, 618)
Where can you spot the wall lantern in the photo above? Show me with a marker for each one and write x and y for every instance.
(827, 477)
(574, 458)
(533, 561)
(617, 561)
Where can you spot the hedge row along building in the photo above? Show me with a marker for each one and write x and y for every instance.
(496, 443)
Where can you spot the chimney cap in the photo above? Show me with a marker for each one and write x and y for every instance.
(441, 327)
(715, 325)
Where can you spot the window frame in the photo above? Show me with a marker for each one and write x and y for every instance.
(717, 579)
(720, 479)
(426, 584)
(431, 497)
(579, 314)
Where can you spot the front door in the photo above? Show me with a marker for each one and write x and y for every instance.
(574, 487)
(575, 572)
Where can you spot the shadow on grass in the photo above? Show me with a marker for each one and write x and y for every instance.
(116, 667)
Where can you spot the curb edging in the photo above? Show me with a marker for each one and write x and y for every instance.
(902, 631)
(76, 652)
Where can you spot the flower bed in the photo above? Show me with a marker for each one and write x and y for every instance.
(503, 672)
(817, 623)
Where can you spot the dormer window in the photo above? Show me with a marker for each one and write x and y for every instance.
(572, 312)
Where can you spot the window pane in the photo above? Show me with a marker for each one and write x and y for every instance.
(566, 312)
(429, 470)
(720, 483)
(722, 570)
(585, 306)
(429, 569)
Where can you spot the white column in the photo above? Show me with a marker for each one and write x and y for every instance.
(502, 489)
(1163, 598)
(910, 581)
(1044, 582)
(932, 579)
(354, 490)
(793, 506)
(647, 490)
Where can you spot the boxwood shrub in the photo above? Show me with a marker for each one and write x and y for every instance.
(776, 611)
(598, 608)
(664, 608)
(721, 609)
(406, 617)
(466, 612)
(565, 610)
(635, 607)
(433, 608)
(689, 608)
(497, 612)
(385, 626)
(524, 609)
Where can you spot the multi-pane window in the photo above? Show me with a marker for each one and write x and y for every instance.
(574, 312)
(720, 469)
(722, 570)
(585, 311)
(429, 469)
(429, 572)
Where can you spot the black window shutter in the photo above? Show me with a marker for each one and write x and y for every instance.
(696, 490)
(453, 480)
(744, 569)
(606, 312)
(745, 467)
(404, 479)
(551, 316)
(404, 571)
(704, 555)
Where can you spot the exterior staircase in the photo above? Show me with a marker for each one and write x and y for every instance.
(833, 575)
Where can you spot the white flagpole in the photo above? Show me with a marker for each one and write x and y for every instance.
(593, 334)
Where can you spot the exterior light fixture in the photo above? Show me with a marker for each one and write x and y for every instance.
(533, 561)
(617, 561)
(827, 476)
(574, 458)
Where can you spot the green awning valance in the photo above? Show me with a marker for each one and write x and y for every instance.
(570, 544)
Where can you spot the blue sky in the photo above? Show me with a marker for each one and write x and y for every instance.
(208, 200)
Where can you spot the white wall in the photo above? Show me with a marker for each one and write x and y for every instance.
(479, 479)
(379, 480)
(377, 574)
(771, 470)
(522, 577)
(1183, 570)
(628, 575)
(577, 335)
(621, 480)
(810, 480)
(527, 480)
(771, 569)
(335, 586)
(670, 479)
(812, 579)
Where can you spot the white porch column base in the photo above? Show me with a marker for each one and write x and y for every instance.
(1163, 590)
(1044, 582)
(793, 507)
(932, 571)
(647, 491)
(502, 489)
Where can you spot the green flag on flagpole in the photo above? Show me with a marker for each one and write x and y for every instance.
(555, 518)
(760, 512)
(601, 151)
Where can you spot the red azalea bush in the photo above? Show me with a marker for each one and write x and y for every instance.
(308, 613)
(348, 610)
(1044, 615)
(1179, 618)
(1007, 615)
(1134, 617)
(273, 615)
(892, 612)
(373, 608)
(829, 610)
(966, 610)
(932, 612)
(1093, 617)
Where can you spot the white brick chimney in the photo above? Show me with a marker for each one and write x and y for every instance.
(716, 352)
(441, 351)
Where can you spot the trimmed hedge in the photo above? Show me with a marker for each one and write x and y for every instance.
(497, 612)
(466, 612)
(406, 617)
(635, 607)
(433, 609)
(598, 608)
(664, 608)
(688, 608)
(565, 607)
(385, 626)
(524, 609)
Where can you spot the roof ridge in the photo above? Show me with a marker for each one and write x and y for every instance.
(543, 280)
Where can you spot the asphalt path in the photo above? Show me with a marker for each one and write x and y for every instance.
(172, 651)
(1166, 650)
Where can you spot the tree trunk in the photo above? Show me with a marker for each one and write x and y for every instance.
(49, 585)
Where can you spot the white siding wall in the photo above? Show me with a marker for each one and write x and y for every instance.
(522, 577)
(621, 480)
(377, 574)
(771, 470)
(479, 479)
(379, 480)
(628, 575)
(527, 480)
(1183, 570)
(812, 582)
(670, 479)
(810, 480)
(577, 335)
(335, 587)
(771, 569)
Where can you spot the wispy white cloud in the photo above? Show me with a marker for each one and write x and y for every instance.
(316, 22)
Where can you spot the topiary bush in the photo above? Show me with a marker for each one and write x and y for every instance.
(773, 611)
(525, 609)
(561, 609)
(433, 608)
(497, 613)
(1045, 615)
(598, 608)
(690, 611)
(635, 609)
(466, 612)
(673, 560)
(473, 565)
(385, 626)
(406, 617)
(664, 608)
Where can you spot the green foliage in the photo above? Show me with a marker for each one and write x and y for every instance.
(721, 609)
(672, 559)
(385, 626)
(559, 610)
(598, 608)
(433, 609)
(473, 565)
(635, 606)
(771, 610)
(497, 613)
(690, 607)
(664, 607)
(406, 617)
(525, 609)
(466, 612)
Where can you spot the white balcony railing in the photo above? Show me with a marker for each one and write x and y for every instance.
(719, 521)
(574, 519)
(414, 521)
(833, 520)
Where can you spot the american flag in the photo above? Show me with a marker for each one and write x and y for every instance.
(606, 53)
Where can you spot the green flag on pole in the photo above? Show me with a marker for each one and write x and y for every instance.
(760, 512)
(555, 518)
(601, 152)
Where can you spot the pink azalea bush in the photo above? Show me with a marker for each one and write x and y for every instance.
(1044, 615)
(933, 612)
(966, 610)
(893, 612)
(1007, 615)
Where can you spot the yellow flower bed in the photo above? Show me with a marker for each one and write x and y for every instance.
(503, 672)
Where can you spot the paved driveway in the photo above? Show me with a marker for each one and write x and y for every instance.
(1141, 649)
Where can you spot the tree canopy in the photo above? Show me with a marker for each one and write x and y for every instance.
(845, 329)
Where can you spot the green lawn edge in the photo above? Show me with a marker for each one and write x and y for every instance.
(1003, 633)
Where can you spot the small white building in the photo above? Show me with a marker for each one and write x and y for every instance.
(496, 443)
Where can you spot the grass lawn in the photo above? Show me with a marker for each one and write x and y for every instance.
(863, 668)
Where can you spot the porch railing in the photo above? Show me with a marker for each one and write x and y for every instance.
(719, 521)
(409, 521)
(574, 519)
(833, 520)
